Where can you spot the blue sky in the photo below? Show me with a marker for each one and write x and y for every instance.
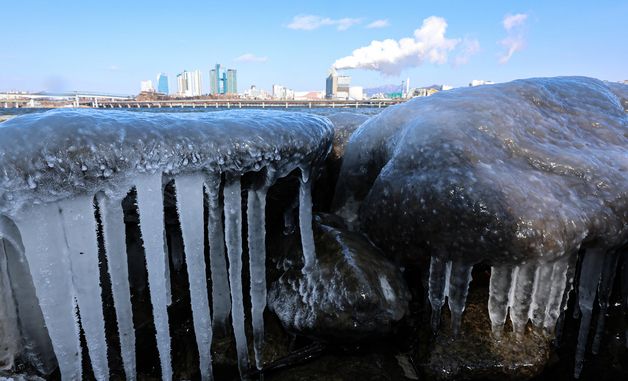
(110, 46)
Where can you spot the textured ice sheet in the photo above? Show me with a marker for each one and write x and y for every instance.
(506, 173)
(55, 155)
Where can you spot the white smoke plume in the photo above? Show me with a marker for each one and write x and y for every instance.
(515, 39)
(391, 56)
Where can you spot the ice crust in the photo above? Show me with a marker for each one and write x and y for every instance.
(60, 153)
(63, 171)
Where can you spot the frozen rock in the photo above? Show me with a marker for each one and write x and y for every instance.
(508, 173)
(351, 292)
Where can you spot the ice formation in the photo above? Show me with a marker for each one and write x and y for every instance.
(63, 176)
(522, 176)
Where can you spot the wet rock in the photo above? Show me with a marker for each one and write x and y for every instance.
(353, 292)
(345, 123)
(519, 171)
(476, 355)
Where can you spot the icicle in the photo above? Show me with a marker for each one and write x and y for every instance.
(558, 284)
(256, 220)
(603, 295)
(624, 291)
(458, 289)
(41, 228)
(521, 297)
(589, 279)
(114, 236)
(190, 208)
(499, 292)
(151, 211)
(233, 238)
(221, 302)
(572, 261)
(305, 222)
(82, 240)
(36, 345)
(541, 293)
(10, 338)
(437, 285)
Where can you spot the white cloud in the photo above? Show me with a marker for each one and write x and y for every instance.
(250, 57)
(391, 56)
(311, 22)
(515, 39)
(468, 48)
(113, 67)
(511, 21)
(383, 23)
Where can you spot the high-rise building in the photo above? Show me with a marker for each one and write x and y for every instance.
(223, 82)
(189, 83)
(147, 86)
(337, 86)
(162, 83)
(215, 80)
(182, 83)
(195, 83)
(232, 82)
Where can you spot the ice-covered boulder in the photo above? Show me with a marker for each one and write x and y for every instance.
(67, 181)
(519, 175)
(508, 172)
(353, 291)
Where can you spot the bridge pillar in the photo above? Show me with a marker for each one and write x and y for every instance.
(228, 105)
(286, 104)
(262, 104)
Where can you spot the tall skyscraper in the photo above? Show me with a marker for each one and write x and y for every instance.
(232, 82)
(189, 83)
(223, 82)
(162, 83)
(182, 83)
(195, 83)
(215, 80)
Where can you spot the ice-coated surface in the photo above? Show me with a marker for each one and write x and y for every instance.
(57, 154)
(505, 173)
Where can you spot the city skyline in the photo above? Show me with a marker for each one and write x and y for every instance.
(100, 48)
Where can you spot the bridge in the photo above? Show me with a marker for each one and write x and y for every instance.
(247, 103)
(112, 101)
